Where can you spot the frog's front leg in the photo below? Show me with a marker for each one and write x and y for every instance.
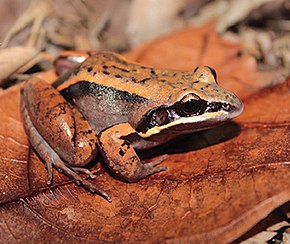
(121, 157)
(58, 132)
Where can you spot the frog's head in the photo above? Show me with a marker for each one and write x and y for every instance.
(199, 105)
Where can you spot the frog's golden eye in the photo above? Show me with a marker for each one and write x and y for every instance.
(190, 104)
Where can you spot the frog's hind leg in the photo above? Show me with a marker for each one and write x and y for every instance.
(59, 133)
(51, 158)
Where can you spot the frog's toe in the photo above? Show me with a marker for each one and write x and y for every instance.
(158, 161)
(83, 170)
(151, 168)
(49, 173)
(73, 173)
(95, 189)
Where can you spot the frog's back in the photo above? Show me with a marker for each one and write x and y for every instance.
(112, 70)
(105, 106)
(110, 90)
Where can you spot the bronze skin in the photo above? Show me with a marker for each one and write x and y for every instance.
(110, 106)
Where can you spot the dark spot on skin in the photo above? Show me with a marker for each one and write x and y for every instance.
(133, 79)
(52, 95)
(117, 59)
(195, 69)
(201, 88)
(175, 74)
(207, 86)
(217, 90)
(196, 81)
(152, 72)
(90, 69)
(55, 111)
(119, 68)
(106, 72)
(95, 73)
(118, 76)
(142, 81)
(121, 152)
(46, 89)
(105, 66)
(163, 80)
(184, 89)
(126, 143)
(84, 133)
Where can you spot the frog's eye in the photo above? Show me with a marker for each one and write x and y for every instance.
(212, 72)
(190, 104)
(205, 74)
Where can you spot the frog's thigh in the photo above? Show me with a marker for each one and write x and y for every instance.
(121, 157)
(52, 158)
(60, 125)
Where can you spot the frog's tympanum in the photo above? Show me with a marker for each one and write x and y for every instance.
(114, 107)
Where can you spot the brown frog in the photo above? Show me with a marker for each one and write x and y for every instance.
(110, 106)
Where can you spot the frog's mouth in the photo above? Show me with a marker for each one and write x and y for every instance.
(168, 119)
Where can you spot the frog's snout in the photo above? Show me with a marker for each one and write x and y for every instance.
(237, 107)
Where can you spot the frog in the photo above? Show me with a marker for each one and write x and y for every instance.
(109, 106)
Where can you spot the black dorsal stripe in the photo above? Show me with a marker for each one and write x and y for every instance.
(85, 87)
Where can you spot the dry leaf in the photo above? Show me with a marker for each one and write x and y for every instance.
(154, 19)
(12, 59)
(34, 15)
(227, 12)
(220, 182)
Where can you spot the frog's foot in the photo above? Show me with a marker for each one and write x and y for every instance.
(73, 173)
(84, 170)
(151, 168)
(50, 157)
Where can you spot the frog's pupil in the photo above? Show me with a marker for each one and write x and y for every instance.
(191, 106)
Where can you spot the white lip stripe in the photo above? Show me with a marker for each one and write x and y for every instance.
(215, 116)
(187, 120)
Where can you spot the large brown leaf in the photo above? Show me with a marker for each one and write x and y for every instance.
(219, 183)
